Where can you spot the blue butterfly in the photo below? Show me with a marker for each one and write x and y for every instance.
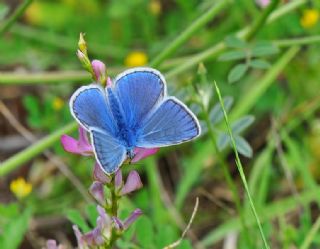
(135, 112)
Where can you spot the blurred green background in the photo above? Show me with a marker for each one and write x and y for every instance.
(271, 87)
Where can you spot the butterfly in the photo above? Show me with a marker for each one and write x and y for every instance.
(134, 112)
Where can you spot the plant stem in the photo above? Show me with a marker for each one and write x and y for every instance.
(35, 149)
(228, 177)
(220, 47)
(63, 42)
(261, 20)
(240, 168)
(312, 233)
(15, 15)
(187, 33)
(297, 41)
(49, 77)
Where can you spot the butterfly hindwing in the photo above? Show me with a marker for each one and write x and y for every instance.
(109, 151)
(139, 90)
(170, 123)
(89, 105)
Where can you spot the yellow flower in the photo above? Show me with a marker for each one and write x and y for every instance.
(57, 104)
(136, 59)
(20, 187)
(309, 18)
(155, 7)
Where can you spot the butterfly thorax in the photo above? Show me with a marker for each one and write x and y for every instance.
(124, 133)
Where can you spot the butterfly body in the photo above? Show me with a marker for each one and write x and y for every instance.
(135, 112)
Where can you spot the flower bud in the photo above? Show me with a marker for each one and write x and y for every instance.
(99, 70)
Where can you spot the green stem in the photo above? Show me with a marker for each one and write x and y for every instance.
(220, 47)
(49, 77)
(261, 20)
(268, 212)
(310, 236)
(187, 33)
(63, 42)
(15, 15)
(297, 41)
(240, 168)
(35, 149)
(228, 177)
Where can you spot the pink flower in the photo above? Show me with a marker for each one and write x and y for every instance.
(141, 153)
(133, 182)
(97, 191)
(99, 175)
(123, 225)
(99, 69)
(263, 3)
(81, 146)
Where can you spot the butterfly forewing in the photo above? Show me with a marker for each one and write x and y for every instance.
(139, 90)
(171, 123)
(90, 107)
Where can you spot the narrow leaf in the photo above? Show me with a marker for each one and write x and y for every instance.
(232, 55)
(243, 147)
(76, 218)
(216, 113)
(260, 64)
(234, 42)
(264, 49)
(241, 124)
(237, 72)
(223, 141)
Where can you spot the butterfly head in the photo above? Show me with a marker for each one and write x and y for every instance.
(130, 154)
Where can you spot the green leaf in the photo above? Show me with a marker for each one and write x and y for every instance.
(165, 236)
(234, 42)
(237, 72)
(232, 55)
(242, 123)
(145, 234)
(264, 49)
(223, 141)
(14, 231)
(76, 218)
(92, 213)
(243, 147)
(258, 63)
(216, 113)
(185, 244)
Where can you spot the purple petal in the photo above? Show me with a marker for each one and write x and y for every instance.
(263, 3)
(118, 223)
(99, 70)
(141, 153)
(97, 191)
(133, 183)
(80, 55)
(81, 146)
(51, 244)
(81, 243)
(133, 216)
(99, 175)
(118, 179)
(104, 217)
(109, 82)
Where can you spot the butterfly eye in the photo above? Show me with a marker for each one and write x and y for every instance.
(130, 154)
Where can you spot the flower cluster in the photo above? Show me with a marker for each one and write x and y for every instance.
(109, 226)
